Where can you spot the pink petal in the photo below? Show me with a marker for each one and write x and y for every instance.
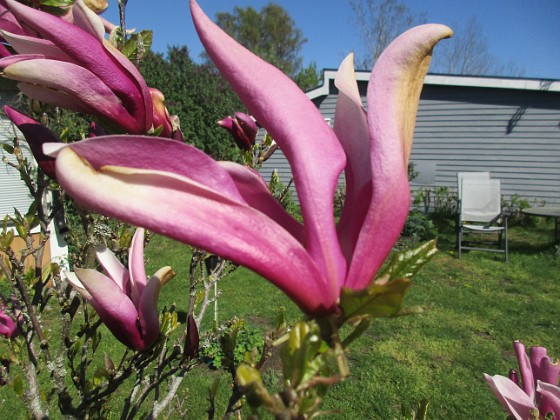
(527, 379)
(393, 95)
(136, 264)
(545, 371)
(114, 269)
(161, 117)
(351, 127)
(88, 20)
(187, 211)
(8, 22)
(86, 50)
(16, 58)
(8, 327)
(77, 284)
(54, 97)
(551, 394)
(543, 368)
(296, 124)
(114, 308)
(24, 44)
(79, 83)
(4, 52)
(255, 192)
(512, 398)
(143, 109)
(144, 152)
(147, 308)
(36, 135)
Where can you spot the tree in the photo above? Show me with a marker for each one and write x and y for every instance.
(308, 78)
(467, 53)
(272, 35)
(381, 21)
(198, 95)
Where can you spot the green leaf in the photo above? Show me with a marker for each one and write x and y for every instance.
(213, 390)
(8, 148)
(138, 45)
(18, 386)
(101, 375)
(250, 379)
(96, 339)
(47, 271)
(384, 297)
(280, 323)
(267, 140)
(378, 300)
(6, 240)
(168, 323)
(57, 3)
(301, 353)
(109, 364)
(404, 265)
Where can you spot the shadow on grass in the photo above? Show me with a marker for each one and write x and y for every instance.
(525, 240)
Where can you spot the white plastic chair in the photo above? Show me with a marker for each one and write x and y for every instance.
(460, 177)
(481, 212)
(469, 175)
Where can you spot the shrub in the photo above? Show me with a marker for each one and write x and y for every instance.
(231, 343)
(419, 227)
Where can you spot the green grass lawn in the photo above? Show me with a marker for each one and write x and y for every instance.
(475, 308)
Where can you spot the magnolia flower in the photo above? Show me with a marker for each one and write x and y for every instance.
(125, 300)
(36, 135)
(538, 391)
(8, 328)
(97, 78)
(227, 209)
(242, 128)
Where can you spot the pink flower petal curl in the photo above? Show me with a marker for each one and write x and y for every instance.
(295, 123)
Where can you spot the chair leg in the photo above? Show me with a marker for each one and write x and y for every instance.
(459, 240)
(506, 238)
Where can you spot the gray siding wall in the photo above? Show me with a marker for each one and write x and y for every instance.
(514, 134)
(13, 192)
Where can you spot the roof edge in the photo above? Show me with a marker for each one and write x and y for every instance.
(519, 83)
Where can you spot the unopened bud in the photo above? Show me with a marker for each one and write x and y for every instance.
(243, 129)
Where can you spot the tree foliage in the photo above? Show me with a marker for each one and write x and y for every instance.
(198, 95)
(272, 35)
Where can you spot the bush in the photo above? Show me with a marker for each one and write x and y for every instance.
(419, 227)
(232, 342)
(514, 207)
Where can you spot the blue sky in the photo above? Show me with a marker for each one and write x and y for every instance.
(525, 32)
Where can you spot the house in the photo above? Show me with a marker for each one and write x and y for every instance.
(508, 126)
(13, 191)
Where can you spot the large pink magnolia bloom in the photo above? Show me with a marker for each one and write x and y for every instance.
(227, 209)
(538, 393)
(71, 65)
(125, 300)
